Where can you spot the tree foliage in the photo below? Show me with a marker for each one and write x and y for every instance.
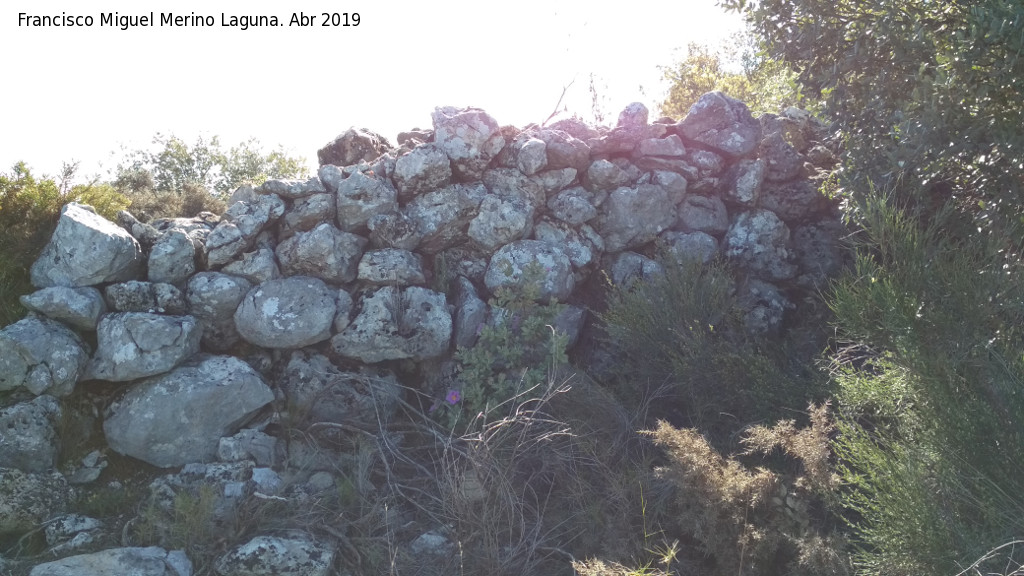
(175, 164)
(734, 67)
(928, 92)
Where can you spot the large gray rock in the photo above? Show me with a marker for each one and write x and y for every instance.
(137, 296)
(27, 500)
(292, 188)
(758, 240)
(794, 202)
(396, 323)
(391, 267)
(426, 168)
(307, 213)
(723, 123)
(240, 226)
(362, 196)
(256, 266)
(783, 161)
(565, 150)
(470, 137)
(573, 206)
(500, 221)
(28, 439)
(744, 186)
(151, 561)
(634, 216)
(180, 417)
(42, 355)
(442, 216)
(683, 246)
(287, 313)
(77, 307)
(511, 183)
(627, 267)
(703, 214)
(602, 175)
(324, 252)
(85, 250)
(213, 298)
(532, 156)
(671, 146)
(321, 392)
(353, 146)
(172, 258)
(277, 556)
(133, 345)
(396, 230)
(582, 249)
(551, 181)
(764, 306)
(554, 277)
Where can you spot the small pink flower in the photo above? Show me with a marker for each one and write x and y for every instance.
(453, 397)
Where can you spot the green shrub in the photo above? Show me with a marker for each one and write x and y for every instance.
(513, 358)
(681, 334)
(931, 444)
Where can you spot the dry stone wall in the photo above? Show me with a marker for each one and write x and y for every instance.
(312, 288)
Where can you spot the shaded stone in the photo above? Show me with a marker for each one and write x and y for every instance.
(564, 150)
(362, 196)
(511, 183)
(85, 250)
(628, 267)
(319, 391)
(287, 313)
(552, 181)
(500, 221)
(180, 417)
(151, 561)
(307, 213)
(396, 323)
(77, 307)
(764, 306)
(172, 258)
(634, 216)
(746, 178)
(28, 439)
(758, 240)
(782, 160)
(683, 246)
(581, 250)
(240, 226)
(27, 500)
(794, 202)
(671, 146)
(394, 230)
(392, 267)
(424, 169)
(573, 206)
(532, 156)
(507, 268)
(703, 214)
(277, 556)
(213, 298)
(442, 216)
(603, 175)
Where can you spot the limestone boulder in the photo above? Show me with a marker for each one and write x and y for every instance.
(278, 556)
(605, 176)
(324, 252)
(758, 240)
(86, 249)
(552, 269)
(500, 221)
(782, 160)
(564, 150)
(391, 266)
(42, 355)
(292, 188)
(240, 226)
(395, 230)
(150, 561)
(442, 216)
(795, 202)
(425, 169)
(307, 213)
(703, 214)
(28, 437)
(137, 296)
(79, 308)
(396, 323)
(131, 345)
(509, 183)
(745, 181)
(722, 123)
(683, 246)
(180, 417)
(322, 392)
(634, 216)
(257, 266)
(574, 206)
(362, 196)
(287, 313)
(470, 137)
(213, 298)
(172, 258)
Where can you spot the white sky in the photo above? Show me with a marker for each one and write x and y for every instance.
(83, 93)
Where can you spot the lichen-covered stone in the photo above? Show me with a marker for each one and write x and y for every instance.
(85, 250)
(287, 313)
(77, 307)
(28, 438)
(396, 323)
(42, 355)
(133, 345)
(508, 266)
(324, 252)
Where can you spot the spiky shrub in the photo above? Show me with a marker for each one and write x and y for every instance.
(682, 333)
(754, 520)
(514, 355)
(931, 447)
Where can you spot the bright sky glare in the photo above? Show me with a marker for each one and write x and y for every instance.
(84, 93)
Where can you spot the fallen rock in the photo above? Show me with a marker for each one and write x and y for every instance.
(85, 250)
(180, 417)
(321, 392)
(151, 561)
